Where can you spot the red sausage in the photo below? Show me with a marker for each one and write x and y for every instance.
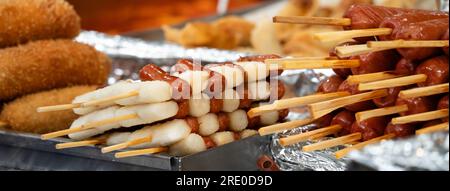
(417, 105)
(330, 84)
(353, 89)
(376, 62)
(193, 124)
(404, 130)
(397, 22)
(370, 128)
(426, 30)
(216, 81)
(224, 121)
(253, 123)
(183, 109)
(436, 69)
(432, 123)
(181, 88)
(260, 58)
(325, 120)
(215, 105)
(282, 114)
(405, 67)
(390, 99)
(244, 94)
(345, 119)
(365, 16)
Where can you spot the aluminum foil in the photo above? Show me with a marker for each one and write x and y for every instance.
(424, 152)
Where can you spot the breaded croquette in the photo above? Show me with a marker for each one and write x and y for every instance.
(22, 21)
(21, 114)
(48, 64)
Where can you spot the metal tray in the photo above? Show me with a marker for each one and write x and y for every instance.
(21, 151)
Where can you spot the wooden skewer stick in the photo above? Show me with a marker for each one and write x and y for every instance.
(284, 126)
(318, 137)
(313, 20)
(391, 83)
(428, 116)
(424, 91)
(140, 152)
(294, 102)
(354, 50)
(363, 78)
(78, 144)
(110, 99)
(126, 144)
(361, 116)
(408, 44)
(307, 135)
(342, 153)
(350, 34)
(297, 64)
(316, 108)
(58, 107)
(88, 126)
(432, 129)
(332, 142)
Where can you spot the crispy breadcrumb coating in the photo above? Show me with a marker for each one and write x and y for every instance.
(22, 21)
(50, 64)
(21, 114)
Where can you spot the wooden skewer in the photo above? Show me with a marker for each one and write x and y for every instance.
(350, 34)
(140, 152)
(126, 144)
(316, 108)
(297, 64)
(88, 126)
(354, 50)
(110, 99)
(284, 126)
(408, 44)
(78, 144)
(361, 116)
(363, 78)
(424, 91)
(428, 116)
(294, 102)
(307, 135)
(332, 142)
(342, 153)
(390, 83)
(432, 129)
(313, 20)
(318, 137)
(58, 107)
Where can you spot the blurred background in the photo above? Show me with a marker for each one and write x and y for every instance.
(119, 16)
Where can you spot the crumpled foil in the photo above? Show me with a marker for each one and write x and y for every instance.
(424, 152)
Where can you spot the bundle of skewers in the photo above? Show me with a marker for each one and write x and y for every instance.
(182, 112)
(391, 79)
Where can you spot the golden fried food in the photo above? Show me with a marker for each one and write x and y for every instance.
(226, 33)
(28, 20)
(49, 64)
(21, 114)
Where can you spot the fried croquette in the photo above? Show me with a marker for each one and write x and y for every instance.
(21, 114)
(22, 21)
(49, 64)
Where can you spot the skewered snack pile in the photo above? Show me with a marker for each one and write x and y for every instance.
(183, 112)
(398, 88)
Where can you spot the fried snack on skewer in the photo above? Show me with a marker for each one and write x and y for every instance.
(21, 113)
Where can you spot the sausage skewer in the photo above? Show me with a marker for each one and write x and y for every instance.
(342, 153)
(371, 77)
(391, 83)
(432, 129)
(427, 116)
(296, 64)
(424, 91)
(362, 116)
(408, 44)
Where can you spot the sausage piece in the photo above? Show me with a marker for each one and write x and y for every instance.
(330, 84)
(345, 119)
(353, 89)
(390, 99)
(376, 62)
(181, 88)
(260, 58)
(417, 105)
(404, 130)
(405, 67)
(370, 128)
(436, 70)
